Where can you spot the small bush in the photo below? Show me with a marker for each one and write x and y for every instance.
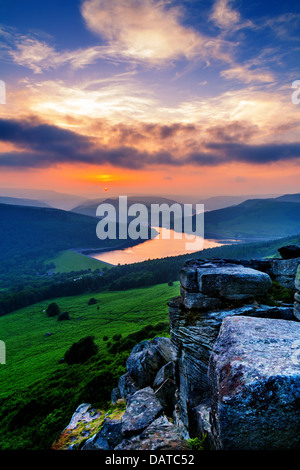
(53, 310)
(63, 316)
(81, 351)
(117, 337)
(92, 301)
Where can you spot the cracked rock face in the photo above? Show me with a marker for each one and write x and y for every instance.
(255, 381)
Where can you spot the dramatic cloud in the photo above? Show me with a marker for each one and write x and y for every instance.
(41, 145)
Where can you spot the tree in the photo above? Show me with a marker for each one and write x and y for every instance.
(53, 310)
(81, 351)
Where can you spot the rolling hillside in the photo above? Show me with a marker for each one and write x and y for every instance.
(254, 219)
(30, 235)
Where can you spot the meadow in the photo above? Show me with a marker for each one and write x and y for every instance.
(33, 354)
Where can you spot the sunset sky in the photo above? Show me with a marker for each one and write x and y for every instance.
(165, 97)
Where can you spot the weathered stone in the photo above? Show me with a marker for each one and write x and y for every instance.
(297, 278)
(201, 425)
(290, 251)
(143, 407)
(82, 424)
(147, 358)
(297, 310)
(127, 385)
(160, 435)
(115, 395)
(193, 337)
(284, 271)
(166, 372)
(188, 279)
(166, 394)
(255, 381)
(234, 282)
(199, 301)
(107, 438)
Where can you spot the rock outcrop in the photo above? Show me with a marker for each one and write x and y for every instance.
(290, 251)
(230, 369)
(297, 295)
(255, 385)
(210, 292)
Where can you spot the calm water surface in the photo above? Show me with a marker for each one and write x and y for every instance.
(159, 247)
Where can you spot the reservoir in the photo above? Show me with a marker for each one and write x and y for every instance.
(166, 243)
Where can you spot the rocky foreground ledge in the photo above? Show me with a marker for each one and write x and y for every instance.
(230, 371)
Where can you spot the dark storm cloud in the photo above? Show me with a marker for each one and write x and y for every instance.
(42, 145)
(256, 154)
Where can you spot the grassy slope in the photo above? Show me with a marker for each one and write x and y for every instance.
(67, 261)
(31, 356)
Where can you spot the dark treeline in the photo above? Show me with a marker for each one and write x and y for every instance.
(124, 277)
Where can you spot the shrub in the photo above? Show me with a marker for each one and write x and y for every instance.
(63, 316)
(92, 301)
(81, 351)
(117, 337)
(53, 310)
(197, 443)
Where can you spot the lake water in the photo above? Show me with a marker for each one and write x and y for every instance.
(165, 244)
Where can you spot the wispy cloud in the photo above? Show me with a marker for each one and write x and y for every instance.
(39, 56)
(226, 17)
(246, 74)
(150, 31)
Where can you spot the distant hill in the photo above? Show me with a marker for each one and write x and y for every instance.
(288, 198)
(32, 234)
(15, 201)
(50, 198)
(254, 219)
(220, 202)
(90, 207)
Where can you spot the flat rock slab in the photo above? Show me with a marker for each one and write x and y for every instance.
(143, 407)
(233, 282)
(254, 372)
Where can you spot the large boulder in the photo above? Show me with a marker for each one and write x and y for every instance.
(254, 372)
(143, 407)
(290, 251)
(147, 358)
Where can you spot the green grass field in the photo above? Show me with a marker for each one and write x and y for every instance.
(67, 261)
(31, 356)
